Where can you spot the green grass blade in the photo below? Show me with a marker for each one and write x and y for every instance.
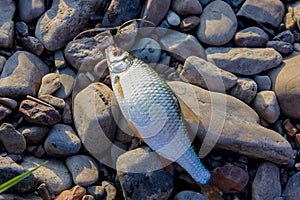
(8, 184)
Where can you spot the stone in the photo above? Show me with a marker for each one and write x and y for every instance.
(120, 11)
(127, 36)
(104, 191)
(293, 9)
(33, 45)
(292, 189)
(30, 10)
(116, 150)
(22, 75)
(266, 184)
(2, 62)
(59, 59)
(206, 75)
(187, 7)
(285, 85)
(297, 140)
(54, 174)
(13, 141)
(218, 24)
(83, 169)
(263, 82)
(67, 112)
(147, 49)
(62, 141)
(280, 46)
(39, 114)
(19, 197)
(50, 83)
(142, 175)
(67, 17)
(172, 18)
(191, 195)
(34, 134)
(12, 104)
(21, 29)
(266, 106)
(67, 78)
(245, 90)
(296, 47)
(4, 112)
(9, 169)
(7, 10)
(237, 123)
(77, 192)
(93, 118)
(53, 101)
(251, 37)
(189, 23)
(289, 128)
(244, 61)
(263, 11)
(285, 36)
(181, 45)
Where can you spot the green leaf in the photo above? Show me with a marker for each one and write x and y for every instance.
(8, 184)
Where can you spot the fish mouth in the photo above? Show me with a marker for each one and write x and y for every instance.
(108, 51)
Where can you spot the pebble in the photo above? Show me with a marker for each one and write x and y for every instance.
(2, 62)
(172, 18)
(218, 24)
(297, 141)
(189, 23)
(147, 49)
(34, 135)
(13, 141)
(244, 61)
(251, 37)
(7, 10)
(266, 105)
(269, 12)
(263, 82)
(50, 83)
(285, 36)
(54, 174)
(67, 78)
(293, 15)
(266, 184)
(59, 59)
(290, 129)
(292, 189)
(66, 17)
(20, 197)
(245, 90)
(22, 29)
(126, 38)
(181, 45)
(53, 101)
(12, 104)
(296, 47)
(33, 45)
(76, 193)
(62, 141)
(104, 191)
(116, 150)
(22, 75)
(280, 46)
(39, 114)
(67, 112)
(190, 195)
(206, 75)
(4, 112)
(30, 10)
(187, 7)
(83, 169)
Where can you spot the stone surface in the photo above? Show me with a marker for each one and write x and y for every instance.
(251, 37)
(105, 191)
(54, 173)
(285, 36)
(240, 131)
(62, 141)
(127, 36)
(67, 78)
(280, 46)
(2, 62)
(263, 11)
(7, 10)
(189, 23)
(292, 189)
(181, 45)
(294, 9)
(172, 18)
(263, 82)
(206, 75)
(4, 112)
(147, 49)
(245, 90)
(187, 7)
(142, 175)
(83, 169)
(296, 47)
(40, 114)
(63, 21)
(285, 84)
(244, 61)
(29, 10)
(59, 59)
(50, 83)
(218, 24)
(53, 101)
(13, 141)
(77, 192)
(21, 29)
(19, 197)
(12, 104)
(190, 195)
(33, 45)
(34, 134)
(266, 184)
(22, 75)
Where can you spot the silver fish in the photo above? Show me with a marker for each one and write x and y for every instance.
(153, 111)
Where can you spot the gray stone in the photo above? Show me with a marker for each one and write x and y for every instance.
(22, 75)
(245, 90)
(181, 45)
(251, 37)
(147, 49)
(218, 24)
(263, 11)
(19, 197)
(172, 18)
(33, 45)
(13, 141)
(29, 10)
(138, 177)
(83, 169)
(55, 174)
(34, 134)
(39, 114)
(7, 10)
(263, 82)
(63, 21)
(296, 47)
(67, 112)
(67, 78)
(187, 7)
(127, 36)
(285, 36)
(292, 189)
(53, 101)
(189, 23)
(59, 59)
(62, 141)
(2, 62)
(116, 150)
(206, 75)
(244, 61)
(4, 112)
(50, 83)
(190, 195)
(266, 184)
(12, 104)
(280, 46)
(21, 29)
(105, 191)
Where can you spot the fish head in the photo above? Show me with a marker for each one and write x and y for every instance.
(118, 60)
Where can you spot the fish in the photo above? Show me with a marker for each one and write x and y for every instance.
(153, 111)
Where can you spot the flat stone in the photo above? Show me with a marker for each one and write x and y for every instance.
(62, 141)
(172, 18)
(240, 131)
(147, 49)
(189, 23)
(67, 78)
(83, 169)
(22, 75)
(263, 11)
(280, 46)
(285, 36)
(218, 24)
(39, 114)
(64, 17)
(13, 141)
(7, 10)
(12, 104)
(34, 134)
(244, 61)
(50, 83)
(206, 75)
(190, 195)
(54, 173)
(29, 10)
(53, 101)
(285, 85)
(251, 37)
(4, 112)
(263, 82)
(245, 90)
(292, 189)
(105, 190)
(187, 7)
(181, 45)
(77, 192)
(33, 45)
(266, 184)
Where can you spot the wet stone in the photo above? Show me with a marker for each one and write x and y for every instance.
(281, 46)
(251, 37)
(50, 83)
(245, 90)
(104, 191)
(4, 112)
(14, 142)
(34, 134)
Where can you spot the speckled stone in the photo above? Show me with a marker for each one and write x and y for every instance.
(245, 90)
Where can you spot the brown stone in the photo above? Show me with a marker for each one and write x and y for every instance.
(297, 140)
(291, 130)
(76, 193)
